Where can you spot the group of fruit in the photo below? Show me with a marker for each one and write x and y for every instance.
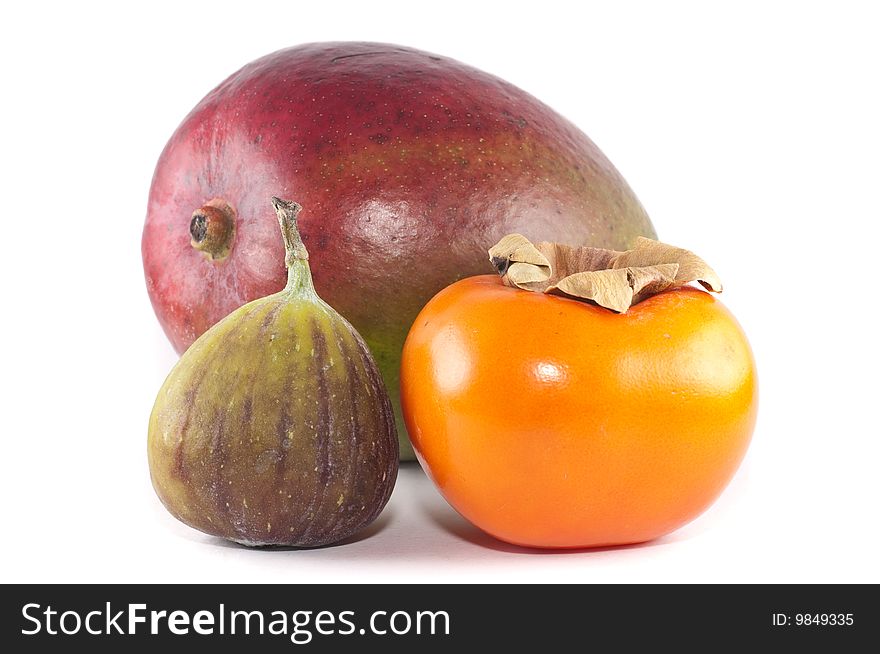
(581, 396)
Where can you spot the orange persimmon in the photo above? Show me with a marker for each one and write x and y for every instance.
(551, 422)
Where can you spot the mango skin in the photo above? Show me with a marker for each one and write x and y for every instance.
(410, 166)
(275, 428)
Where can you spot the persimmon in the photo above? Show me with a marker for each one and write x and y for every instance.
(551, 422)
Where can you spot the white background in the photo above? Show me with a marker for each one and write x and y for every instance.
(750, 134)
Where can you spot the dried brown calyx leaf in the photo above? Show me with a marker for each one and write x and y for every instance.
(612, 279)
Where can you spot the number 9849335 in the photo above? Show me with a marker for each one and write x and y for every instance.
(823, 619)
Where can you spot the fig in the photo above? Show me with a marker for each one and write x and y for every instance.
(403, 160)
(274, 427)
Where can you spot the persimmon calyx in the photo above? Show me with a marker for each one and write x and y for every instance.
(610, 278)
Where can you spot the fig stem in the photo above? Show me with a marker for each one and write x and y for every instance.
(296, 257)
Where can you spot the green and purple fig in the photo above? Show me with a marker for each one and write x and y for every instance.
(275, 427)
